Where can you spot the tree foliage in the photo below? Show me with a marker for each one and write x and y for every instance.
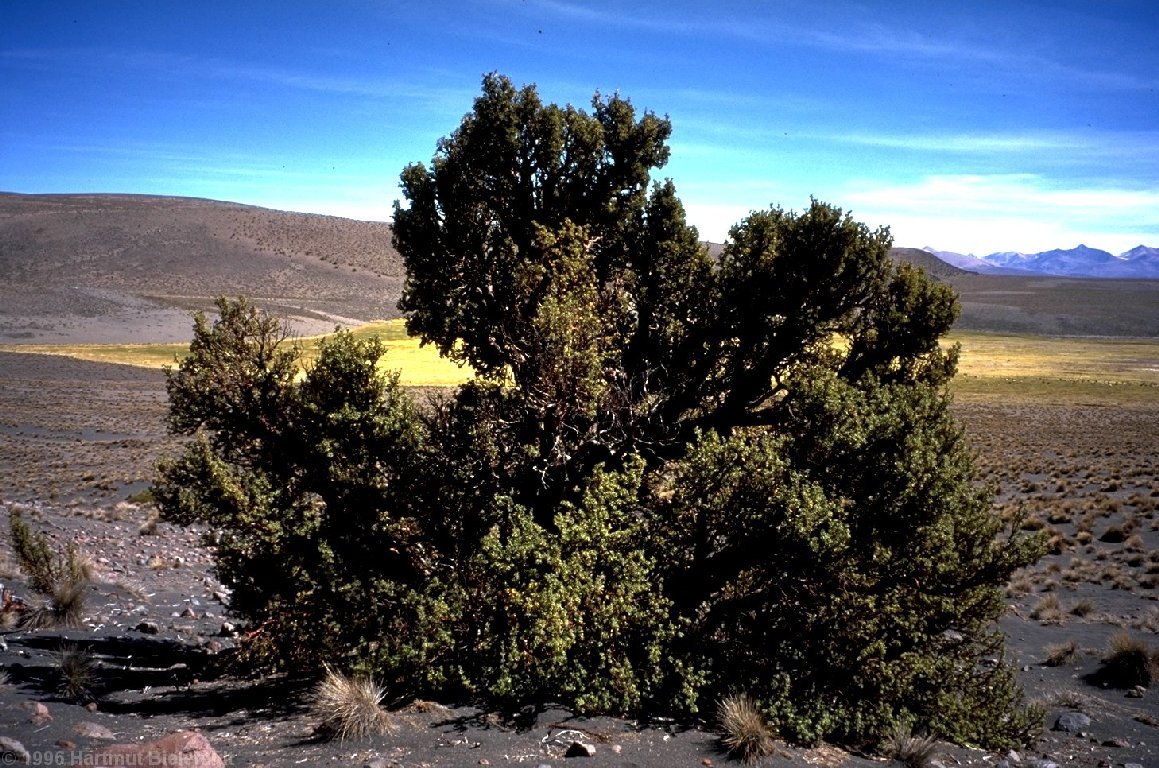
(673, 477)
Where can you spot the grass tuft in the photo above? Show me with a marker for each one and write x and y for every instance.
(75, 664)
(1061, 654)
(744, 731)
(908, 749)
(1128, 663)
(350, 707)
(63, 578)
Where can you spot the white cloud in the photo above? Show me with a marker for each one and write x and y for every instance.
(1020, 212)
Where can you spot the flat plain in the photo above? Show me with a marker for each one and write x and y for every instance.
(1058, 393)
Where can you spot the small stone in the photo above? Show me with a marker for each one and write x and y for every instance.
(228, 629)
(65, 744)
(707, 762)
(484, 761)
(1072, 722)
(1014, 757)
(1136, 692)
(1132, 765)
(93, 731)
(189, 613)
(1117, 742)
(13, 750)
(91, 706)
(40, 714)
(148, 627)
(580, 749)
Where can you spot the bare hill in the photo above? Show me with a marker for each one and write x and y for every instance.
(130, 268)
(933, 266)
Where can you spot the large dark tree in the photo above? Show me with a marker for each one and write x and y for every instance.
(674, 476)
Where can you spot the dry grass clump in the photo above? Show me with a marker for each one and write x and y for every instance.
(149, 527)
(350, 707)
(1048, 610)
(745, 732)
(63, 578)
(1020, 584)
(1061, 654)
(1082, 608)
(1070, 699)
(1128, 663)
(909, 750)
(76, 666)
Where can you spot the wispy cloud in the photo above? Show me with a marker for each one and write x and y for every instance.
(987, 213)
(854, 34)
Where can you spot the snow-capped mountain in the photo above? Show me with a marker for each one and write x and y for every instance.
(1139, 262)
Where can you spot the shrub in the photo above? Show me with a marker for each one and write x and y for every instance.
(63, 578)
(665, 475)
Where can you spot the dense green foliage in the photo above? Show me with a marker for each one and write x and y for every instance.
(674, 477)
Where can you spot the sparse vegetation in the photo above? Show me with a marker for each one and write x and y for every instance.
(910, 750)
(63, 578)
(1128, 663)
(350, 707)
(745, 732)
(76, 667)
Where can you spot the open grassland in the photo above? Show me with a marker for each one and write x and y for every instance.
(418, 366)
(993, 367)
(1062, 371)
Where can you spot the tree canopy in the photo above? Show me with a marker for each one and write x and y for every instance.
(674, 476)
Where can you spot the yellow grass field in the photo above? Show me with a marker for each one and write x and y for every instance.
(1062, 370)
(418, 366)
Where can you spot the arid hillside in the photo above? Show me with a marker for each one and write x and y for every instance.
(82, 269)
(126, 268)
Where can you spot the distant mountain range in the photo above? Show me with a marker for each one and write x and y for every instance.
(1141, 262)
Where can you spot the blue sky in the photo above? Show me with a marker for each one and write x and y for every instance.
(968, 126)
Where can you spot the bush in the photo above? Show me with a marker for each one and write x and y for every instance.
(62, 578)
(671, 471)
(1128, 663)
(304, 484)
